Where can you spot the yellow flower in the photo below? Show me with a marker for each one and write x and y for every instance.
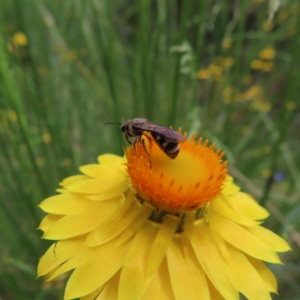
(253, 92)
(20, 39)
(268, 26)
(69, 55)
(203, 74)
(227, 43)
(228, 62)
(267, 66)
(291, 30)
(216, 69)
(267, 53)
(46, 138)
(291, 105)
(265, 173)
(260, 105)
(256, 64)
(294, 8)
(170, 229)
(283, 15)
(13, 116)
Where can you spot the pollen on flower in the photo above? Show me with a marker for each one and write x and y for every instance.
(195, 177)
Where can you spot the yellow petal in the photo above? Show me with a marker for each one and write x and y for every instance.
(211, 260)
(98, 266)
(47, 262)
(116, 191)
(133, 281)
(48, 221)
(214, 294)
(97, 186)
(264, 272)
(245, 276)
(229, 187)
(93, 295)
(101, 171)
(112, 160)
(80, 223)
(222, 206)
(274, 241)
(187, 277)
(116, 223)
(161, 243)
(59, 253)
(215, 233)
(245, 241)
(70, 264)
(110, 291)
(73, 179)
(65, 204)
(62, 191)
(247, 206)
(136, 225)
(160, 286)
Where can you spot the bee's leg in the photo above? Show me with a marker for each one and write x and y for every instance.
(143, 142)
(127, 139)
(135, 141)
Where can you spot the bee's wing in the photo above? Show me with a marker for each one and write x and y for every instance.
(169, 134)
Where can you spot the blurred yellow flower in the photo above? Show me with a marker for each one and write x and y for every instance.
(294, 9)
(13, 116)
(253, 91)
(215, 70)
(173, 229)
(40, 161)
(66, 162)
(240, 97)
(203, 74)
(261, 105)
(291, 30)
(227, 43)
(69, 55)
(265, 173)
(46, 138)
(227, 99)
(3, 121)
(20, 39)
(267, 53)
(267, 66)
(291, 105)
(256, 64)
(58, 47)
(282, 16)
(228, 62)
(267, 149)
(227, 91)
(268, 26)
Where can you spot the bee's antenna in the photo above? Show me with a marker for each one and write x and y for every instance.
(117, 123)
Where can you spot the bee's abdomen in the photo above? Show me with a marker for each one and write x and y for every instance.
(170, 148)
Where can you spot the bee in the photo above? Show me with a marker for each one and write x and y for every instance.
(166, 138)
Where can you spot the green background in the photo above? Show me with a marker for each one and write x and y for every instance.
(228, 70)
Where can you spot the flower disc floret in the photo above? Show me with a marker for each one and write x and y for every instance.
(195, 177)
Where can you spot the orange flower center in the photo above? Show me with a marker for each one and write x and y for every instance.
(195, 177)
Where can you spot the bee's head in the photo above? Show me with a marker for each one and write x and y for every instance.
(125, 127)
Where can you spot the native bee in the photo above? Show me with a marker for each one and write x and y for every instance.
(166, 138)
